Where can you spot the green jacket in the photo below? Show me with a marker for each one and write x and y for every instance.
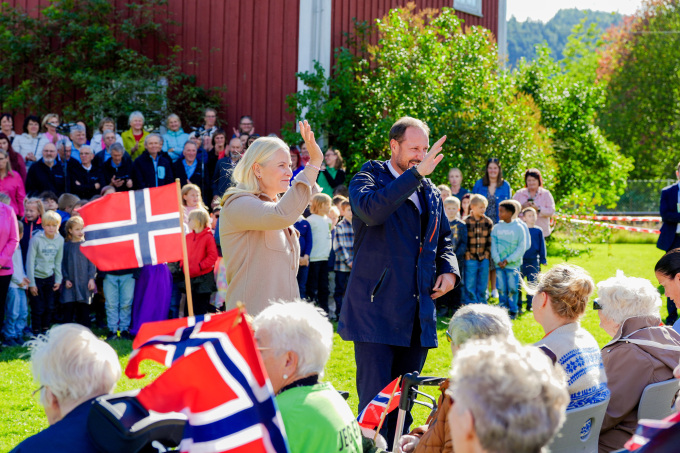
(129, 143)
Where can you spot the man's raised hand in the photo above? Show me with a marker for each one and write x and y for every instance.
(432, 158)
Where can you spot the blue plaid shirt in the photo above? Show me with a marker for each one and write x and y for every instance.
(343, 245)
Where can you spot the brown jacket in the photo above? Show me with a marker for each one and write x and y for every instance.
(261, 248)
(630, 368)
(435, 437)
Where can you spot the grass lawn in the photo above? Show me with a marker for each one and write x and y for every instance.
(21, 415)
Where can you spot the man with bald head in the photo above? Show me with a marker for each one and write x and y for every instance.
(46, 174)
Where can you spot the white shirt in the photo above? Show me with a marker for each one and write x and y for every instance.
(414, 196)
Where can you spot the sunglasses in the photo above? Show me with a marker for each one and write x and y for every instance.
(493, 160)
(596, 305)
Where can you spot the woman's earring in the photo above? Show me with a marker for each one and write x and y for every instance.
(285, 376)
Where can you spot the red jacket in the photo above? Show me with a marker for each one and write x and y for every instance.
(202, 252)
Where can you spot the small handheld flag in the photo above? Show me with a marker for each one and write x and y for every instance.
(384, 402)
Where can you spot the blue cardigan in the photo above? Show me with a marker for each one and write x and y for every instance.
(391, 280)
(503, 192)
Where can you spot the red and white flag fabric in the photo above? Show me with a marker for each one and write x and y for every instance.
(370, 416)
(216, 378)
(127, 230)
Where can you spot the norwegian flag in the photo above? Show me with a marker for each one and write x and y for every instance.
(370, 416)
(650, 430)
(126, 230)
(216, 377)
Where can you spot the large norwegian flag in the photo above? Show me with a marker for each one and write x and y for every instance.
(216, 377)
(126, 230)
(370, 416)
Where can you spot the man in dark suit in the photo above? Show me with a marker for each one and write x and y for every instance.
(669, 238)
(403, 260)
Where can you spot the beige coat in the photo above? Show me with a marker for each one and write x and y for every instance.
(261, 248)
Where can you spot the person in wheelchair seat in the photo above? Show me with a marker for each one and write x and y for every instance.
(72, 367)
(469, 322)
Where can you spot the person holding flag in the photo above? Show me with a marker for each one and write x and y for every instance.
(256, 224)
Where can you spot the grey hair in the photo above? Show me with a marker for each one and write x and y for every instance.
(624, 297)
(117, 147)
(73, 363)
(152, 135)
(517, 397)
(174, 116)
(300, 327)
(479, 321)
(108, 131)
(135, 114)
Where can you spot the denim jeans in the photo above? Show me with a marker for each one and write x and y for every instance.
(303, 272)
(530, 270)
(16, 313)
(476, 280)
(507, 282)
(119, 291)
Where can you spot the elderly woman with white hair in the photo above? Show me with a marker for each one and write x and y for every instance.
(73, 367)
(638, 355)
(469, 322)
(260, 245)
(295, 340)
(505, 397)
(134, 138)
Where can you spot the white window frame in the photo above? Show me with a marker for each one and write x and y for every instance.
(464, 7)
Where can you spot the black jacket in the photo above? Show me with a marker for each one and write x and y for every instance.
(201, 177)
(86, 183)
(222, 178)
(124, 171)
(145, 174)
(41, 178)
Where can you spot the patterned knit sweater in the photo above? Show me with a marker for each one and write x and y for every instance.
(579, 355)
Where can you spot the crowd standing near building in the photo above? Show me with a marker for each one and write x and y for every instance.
(385, 253)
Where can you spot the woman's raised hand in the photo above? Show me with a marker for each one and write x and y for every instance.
(315, 154)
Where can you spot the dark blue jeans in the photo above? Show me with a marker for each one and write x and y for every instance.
(303, 272)
(42, 305)
(530, 270)
(340, 287)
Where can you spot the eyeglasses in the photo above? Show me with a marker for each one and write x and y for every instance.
(596, 304)
(37, 390)
(493, 160)
(448, 336)
(246, 124)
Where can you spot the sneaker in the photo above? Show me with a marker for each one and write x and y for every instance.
(494, 294)
(112, 336)
(125, 335)
(513, 315)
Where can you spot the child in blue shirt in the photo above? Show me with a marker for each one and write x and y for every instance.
(507, 249)
(535, 255)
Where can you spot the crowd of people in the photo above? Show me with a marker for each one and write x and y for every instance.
(384, 254)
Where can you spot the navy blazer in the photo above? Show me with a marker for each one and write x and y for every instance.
(392, 278)
(670, 217)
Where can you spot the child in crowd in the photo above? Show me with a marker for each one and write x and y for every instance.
(78, 273)
(507, 249)
(32, 223)
(43, 267)
(16, 313)
(202, 253)
(535, 255)
(452, 300)
(478, 251)
(50, 200)
(317, 281)
(456, 179)
(119, 290)
(444, 191)
(465, 205)
(306, 243)
(66, 203)
(191, 200)
(343, 245)
(106, 190)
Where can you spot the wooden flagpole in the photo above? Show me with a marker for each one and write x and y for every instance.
(384, 413)
(185, 257)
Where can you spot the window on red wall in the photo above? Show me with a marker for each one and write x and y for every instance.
(473, 7)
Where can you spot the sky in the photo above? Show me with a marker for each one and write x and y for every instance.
(544, 10)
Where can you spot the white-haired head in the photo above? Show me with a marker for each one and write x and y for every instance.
(299, 327)
(624, 297)
(135, 114)
(515, 395)
(73, 363)
(479, 321)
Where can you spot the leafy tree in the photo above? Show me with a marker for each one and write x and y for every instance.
(73, 56)
(424, 65)
(641, 68)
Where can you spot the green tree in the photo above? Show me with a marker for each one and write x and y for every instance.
(641, 68)
(73, 56)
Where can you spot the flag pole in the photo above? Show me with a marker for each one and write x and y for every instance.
(384, 412)
(185, 257)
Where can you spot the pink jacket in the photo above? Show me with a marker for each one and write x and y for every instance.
(544, 200)
(13, 186)
(9, 238)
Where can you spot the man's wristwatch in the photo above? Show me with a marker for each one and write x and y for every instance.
(414, 170)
